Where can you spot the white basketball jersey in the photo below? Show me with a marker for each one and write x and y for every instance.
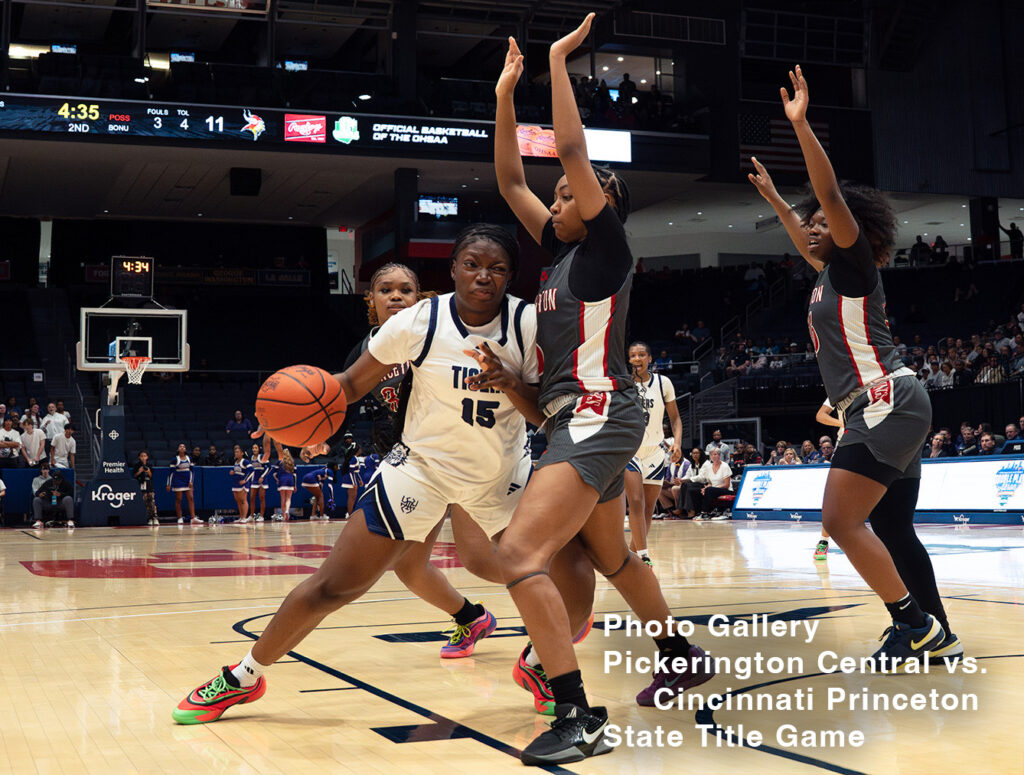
(471, 436)
(654, 393)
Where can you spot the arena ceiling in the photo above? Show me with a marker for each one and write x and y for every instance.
(43, 179)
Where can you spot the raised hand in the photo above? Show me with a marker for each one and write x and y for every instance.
(493, 373)
(762, 180)
(512, 71)
(796, 108)
(565, 46)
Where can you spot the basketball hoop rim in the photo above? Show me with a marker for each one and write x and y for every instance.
(134, 366)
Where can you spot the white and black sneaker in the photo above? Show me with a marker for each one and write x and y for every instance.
(575, 734)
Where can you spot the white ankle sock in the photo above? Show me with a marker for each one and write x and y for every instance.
(643, 554)
(531, 657)
(248, 671)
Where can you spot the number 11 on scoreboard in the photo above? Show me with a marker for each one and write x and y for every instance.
(211, 121)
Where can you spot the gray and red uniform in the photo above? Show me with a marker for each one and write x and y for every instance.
(886, 411)
(586, 391)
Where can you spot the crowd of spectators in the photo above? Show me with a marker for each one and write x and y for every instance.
(29, 437)
(990, 357)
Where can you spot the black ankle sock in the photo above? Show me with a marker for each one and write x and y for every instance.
(674, 645)
(468, 612)
(569, 688)
(907, 611)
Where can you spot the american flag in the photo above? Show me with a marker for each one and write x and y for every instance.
(774, 143)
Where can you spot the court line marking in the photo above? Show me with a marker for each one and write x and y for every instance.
(437, 718)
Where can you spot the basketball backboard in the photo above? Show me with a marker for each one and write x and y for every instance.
(107, 334)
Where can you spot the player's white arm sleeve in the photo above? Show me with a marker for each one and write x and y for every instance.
(401, 337)
(531, 374)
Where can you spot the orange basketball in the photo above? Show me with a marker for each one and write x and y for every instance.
(301, 405)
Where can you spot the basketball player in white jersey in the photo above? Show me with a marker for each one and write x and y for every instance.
(645, 473)
(459, 445)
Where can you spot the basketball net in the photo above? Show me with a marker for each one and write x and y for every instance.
(134, 366)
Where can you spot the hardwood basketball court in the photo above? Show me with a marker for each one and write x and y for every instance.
(104, 630)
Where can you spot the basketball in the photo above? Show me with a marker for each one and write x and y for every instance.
(301, 405)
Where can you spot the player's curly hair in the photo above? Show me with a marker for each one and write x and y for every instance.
(871, 210)
(501, 237)
(612, 183)
(371, 309)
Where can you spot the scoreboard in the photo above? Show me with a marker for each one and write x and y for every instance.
(27, 115)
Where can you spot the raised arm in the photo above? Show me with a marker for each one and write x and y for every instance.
(570, 141)
(841, 222)
(788, 217)
(508, 163)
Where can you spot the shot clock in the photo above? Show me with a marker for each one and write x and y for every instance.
(131, 277)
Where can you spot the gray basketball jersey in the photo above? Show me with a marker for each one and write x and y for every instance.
(580, 344)
(851, 337)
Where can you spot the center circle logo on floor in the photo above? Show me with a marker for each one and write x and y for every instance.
(116, 499)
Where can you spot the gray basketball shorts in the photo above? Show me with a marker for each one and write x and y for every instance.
(885, 431)
(597, 434)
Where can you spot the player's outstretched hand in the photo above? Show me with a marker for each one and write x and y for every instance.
(796, 108)
(310, 452)
(493, 373)
(565, 46)
(512, 71)
(762, 180)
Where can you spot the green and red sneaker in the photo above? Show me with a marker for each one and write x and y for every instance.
(535, 681)
(208, 701)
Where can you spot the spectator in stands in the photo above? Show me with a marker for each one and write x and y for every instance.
(213, 457)
(32, 413)
(751, 457)
(826, 449)
(44, 474)
(794, 356)
(936, 447)
(1016, 240)
(688, 494)
(701, 332)
(961, 374)
(686, 340)
(13, 409)
(10, 445)
(776, 456)
(715, 477)
(716, 443)
(758, 362)
(987, 445)
(55, 492)
(197, 454)
(720, 364)
(992, 373)
(739, 364)
(142, 472)
(53, 424)
(789, 457)
(663, 363)
(940, 250)
(809, 355)
(932, 375)
(945, 378)
(62, 410)
(1012, 432)
(627, 90)
(920, 252)
(239, 428)
(3, 411)
(63, 449)
(1005, 358)
(33, 443)
(808, 454)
